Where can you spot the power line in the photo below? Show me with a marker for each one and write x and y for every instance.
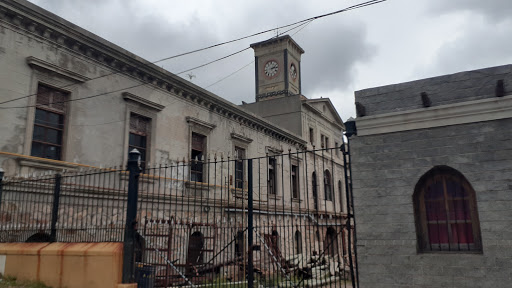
(246, 65)
(357, 6)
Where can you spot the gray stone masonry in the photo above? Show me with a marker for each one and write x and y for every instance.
(446, 89)
(386, 168)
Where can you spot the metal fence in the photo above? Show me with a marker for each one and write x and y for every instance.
(285, 219)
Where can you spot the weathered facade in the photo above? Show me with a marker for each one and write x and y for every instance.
(432, 181)
(70, 99)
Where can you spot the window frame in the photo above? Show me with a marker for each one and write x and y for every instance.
(272, 176)
(147, 135)
(328, 183)
(295, 179)
(199, 163)
(444, 174)
(48, 108)
(239, 163)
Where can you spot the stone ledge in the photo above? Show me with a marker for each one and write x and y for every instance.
(451, 114)
(33, 61)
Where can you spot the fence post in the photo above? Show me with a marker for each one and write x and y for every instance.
(55, 207)
(250, 226)
(1, 185)
(349, 214)
(131, 214)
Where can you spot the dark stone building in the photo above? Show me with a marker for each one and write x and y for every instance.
(432, 181)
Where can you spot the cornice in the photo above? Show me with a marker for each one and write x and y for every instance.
(241, 138)
(36, 62)
(127, 96)
(452, 114)
(200, 123)
(42, 24)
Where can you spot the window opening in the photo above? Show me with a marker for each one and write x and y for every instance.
(197, 157)
(272, 176)
(327, 185)
(50, 113)
(446, 212)
(295, 182)
(138, 138)
(239, 167)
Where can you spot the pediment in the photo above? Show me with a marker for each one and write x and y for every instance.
(325, 107)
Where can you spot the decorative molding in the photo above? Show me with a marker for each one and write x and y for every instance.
(46, 164)
(451, 114)
(241, 138)
(33, 61)
(200, 123)
(127, 96)
(319, 113)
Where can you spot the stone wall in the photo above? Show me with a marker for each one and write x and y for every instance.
(442, 90)
(387, 166)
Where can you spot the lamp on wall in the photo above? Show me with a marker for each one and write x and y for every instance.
(350, 126)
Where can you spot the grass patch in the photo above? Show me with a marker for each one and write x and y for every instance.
(11, 282)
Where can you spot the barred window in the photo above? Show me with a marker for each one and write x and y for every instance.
(47, 138)
(446, 212)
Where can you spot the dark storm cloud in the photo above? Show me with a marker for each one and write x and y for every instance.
(332, 51)
(495, 10)
(480, 41)
(333, 45)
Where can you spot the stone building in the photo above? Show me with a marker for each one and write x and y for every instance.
(70, 99)
(432, 181)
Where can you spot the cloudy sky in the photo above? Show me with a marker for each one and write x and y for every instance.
(391, 42)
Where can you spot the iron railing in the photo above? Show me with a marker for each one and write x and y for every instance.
(284, 219)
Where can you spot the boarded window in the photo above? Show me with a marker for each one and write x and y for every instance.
(47, 138)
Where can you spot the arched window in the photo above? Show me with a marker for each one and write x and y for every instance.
(327, 185)
(195, 250)
(39, 238)
(446, 212)
(298, 242)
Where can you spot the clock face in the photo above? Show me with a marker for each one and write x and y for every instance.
(293, 72)
(271, 68)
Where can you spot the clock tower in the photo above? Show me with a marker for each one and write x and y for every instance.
(277, 68)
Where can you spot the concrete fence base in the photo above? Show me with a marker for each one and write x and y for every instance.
(71, 265)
